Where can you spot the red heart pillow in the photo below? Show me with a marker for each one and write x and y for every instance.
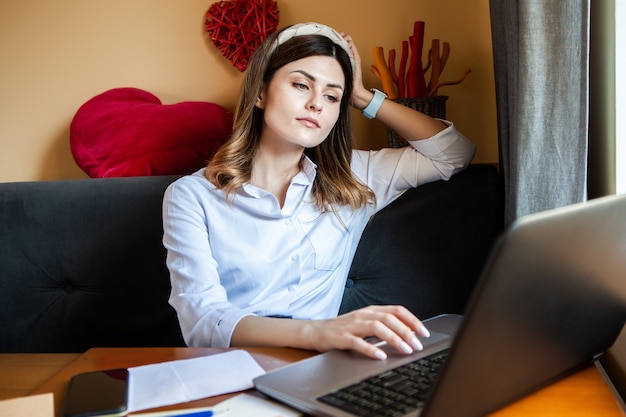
(128, 132)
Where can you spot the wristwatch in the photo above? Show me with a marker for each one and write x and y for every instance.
(372, 108)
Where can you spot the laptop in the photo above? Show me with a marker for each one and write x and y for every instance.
(551, 299)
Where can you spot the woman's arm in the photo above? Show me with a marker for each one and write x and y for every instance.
(206, 316)
(437, 149)
(408, 123)
(393, 324)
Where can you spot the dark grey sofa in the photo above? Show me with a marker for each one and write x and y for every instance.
(82, 264)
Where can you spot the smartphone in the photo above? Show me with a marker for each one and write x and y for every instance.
(98, 393)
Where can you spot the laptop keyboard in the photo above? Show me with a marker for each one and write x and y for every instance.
(392, 393)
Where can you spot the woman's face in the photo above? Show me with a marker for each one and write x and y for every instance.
(302, 102)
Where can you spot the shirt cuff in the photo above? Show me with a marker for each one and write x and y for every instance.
(438, 143)
(225, 326)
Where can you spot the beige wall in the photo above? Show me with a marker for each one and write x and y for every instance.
(55, 55)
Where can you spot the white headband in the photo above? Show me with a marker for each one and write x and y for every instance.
(313, 28)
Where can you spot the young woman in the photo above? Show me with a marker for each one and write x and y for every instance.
(260, 241)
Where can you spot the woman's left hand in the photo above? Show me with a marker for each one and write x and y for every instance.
(408, 123)
(360, 95)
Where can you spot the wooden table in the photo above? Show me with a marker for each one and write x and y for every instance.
(584, 393)
(22, 372)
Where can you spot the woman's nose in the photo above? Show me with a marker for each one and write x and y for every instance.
(315, 104)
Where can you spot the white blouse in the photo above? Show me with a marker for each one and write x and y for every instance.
(247, 255)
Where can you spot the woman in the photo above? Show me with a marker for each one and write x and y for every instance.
(260, 241)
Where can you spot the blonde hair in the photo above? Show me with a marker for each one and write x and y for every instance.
(334, 184)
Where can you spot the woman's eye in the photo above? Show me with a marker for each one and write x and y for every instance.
(332, 99)
(300, 86)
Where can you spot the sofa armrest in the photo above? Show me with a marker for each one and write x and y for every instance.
(426, 250)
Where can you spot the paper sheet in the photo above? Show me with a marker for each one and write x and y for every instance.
(186, 380)
(35, 405)
(237, 406)
(249, 405)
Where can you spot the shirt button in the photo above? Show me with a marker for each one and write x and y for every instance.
(294, 258)
(287, 222)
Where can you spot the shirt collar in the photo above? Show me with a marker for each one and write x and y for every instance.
(305, 177)
(307, 172)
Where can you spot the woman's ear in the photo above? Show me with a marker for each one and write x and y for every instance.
(260, 100)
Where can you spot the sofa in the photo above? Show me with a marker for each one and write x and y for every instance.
(82, 263)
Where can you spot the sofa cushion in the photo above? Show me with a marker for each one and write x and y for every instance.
(83, 266)
(426, 250)
(128, 132)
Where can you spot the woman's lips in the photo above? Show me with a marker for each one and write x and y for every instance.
(309, 122)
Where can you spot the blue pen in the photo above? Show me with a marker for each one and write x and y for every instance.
(197, 414)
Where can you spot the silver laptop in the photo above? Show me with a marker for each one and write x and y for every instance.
(552, 298)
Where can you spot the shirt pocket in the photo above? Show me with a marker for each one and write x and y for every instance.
(328, 238)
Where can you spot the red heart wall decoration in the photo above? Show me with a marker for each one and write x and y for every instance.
(238, 27)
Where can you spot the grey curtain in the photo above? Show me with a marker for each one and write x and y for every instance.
(541, 50)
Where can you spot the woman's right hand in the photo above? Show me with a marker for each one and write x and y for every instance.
(395, 325)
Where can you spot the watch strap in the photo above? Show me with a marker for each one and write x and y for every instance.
(374, 105)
